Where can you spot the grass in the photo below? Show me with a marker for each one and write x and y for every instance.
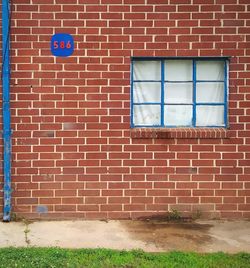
(100, 258)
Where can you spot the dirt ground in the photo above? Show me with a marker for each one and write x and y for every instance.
(148, 235)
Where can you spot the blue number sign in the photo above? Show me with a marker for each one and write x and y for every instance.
(62, 45)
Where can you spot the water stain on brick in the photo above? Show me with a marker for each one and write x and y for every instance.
(50, 134)
(170, 235)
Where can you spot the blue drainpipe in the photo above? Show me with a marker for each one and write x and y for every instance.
(6, 109)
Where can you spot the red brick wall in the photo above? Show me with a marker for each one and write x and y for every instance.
(74, 153)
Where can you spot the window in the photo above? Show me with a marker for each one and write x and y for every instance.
(180, 92)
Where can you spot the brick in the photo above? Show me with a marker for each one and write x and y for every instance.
(27, 201)
(88, 208)
(65, 207)
(72, 200)
(85, 193)
(135, 192)
(187, 200)
(118, 200)
(113, 207)
(134, 207)
(65, 193)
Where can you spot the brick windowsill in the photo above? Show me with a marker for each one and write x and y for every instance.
(180, 133)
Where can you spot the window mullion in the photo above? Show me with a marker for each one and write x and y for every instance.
(225, 92)
(132, 95)
(194, 93)
(162, 92)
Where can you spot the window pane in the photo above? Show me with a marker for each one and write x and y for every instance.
(147, 70)
(178, 93)
(178, 70)
(178, 115)
(147, 115)
(209, 115)
(210, 92)
(147, 92)
(210, 70)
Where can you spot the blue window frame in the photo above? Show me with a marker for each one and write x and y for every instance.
(179, 92)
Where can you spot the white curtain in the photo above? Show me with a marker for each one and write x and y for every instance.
(178, 70)
(210, 70)
(147, 70)
(148, 115)
(209, 116)
(147, 92)
(210, 92)
(178, 93)
(178, 115)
